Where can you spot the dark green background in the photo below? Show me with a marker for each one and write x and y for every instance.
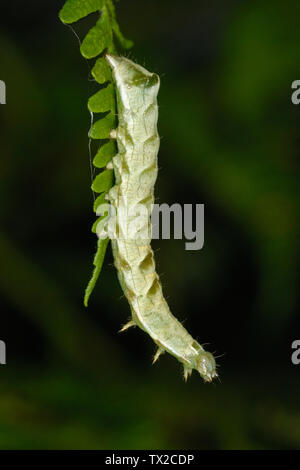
(230, 140)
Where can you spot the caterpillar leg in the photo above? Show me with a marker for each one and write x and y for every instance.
(187, 371)
(113, 134)
(127, 325)
(157, 354)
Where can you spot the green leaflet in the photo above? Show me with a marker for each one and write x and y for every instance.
(98, 262)
(101, 71)
(104, 154)
(99, 40)
(124, 43)
(99, 201)
(103, 101)
(100, 37)
(101, 128)
(74, 10)
(103, 182)
(102, 215)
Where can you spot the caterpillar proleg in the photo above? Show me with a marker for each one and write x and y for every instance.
(135, 169)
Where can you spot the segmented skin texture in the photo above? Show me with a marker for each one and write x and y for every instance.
(135, 168)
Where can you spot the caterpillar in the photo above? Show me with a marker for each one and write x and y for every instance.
(135, 169)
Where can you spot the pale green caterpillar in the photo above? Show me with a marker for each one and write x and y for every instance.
(135, 168)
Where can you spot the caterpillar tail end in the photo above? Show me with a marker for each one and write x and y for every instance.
(206, 366)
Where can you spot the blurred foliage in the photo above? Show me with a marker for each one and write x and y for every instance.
(230, 140)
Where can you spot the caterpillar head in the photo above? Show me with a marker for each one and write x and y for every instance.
(130, 74)
(206, 366)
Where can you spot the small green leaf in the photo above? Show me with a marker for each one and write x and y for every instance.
(98, 38)
(125, 43)
(74, 10)
(95, 224)
(105, 154)
(103, 181)
(101, 128)
(101, 71)
(99, 201)
(98, 262)
(103, 100)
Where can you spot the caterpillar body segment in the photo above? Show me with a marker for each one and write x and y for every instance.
(135, 168)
